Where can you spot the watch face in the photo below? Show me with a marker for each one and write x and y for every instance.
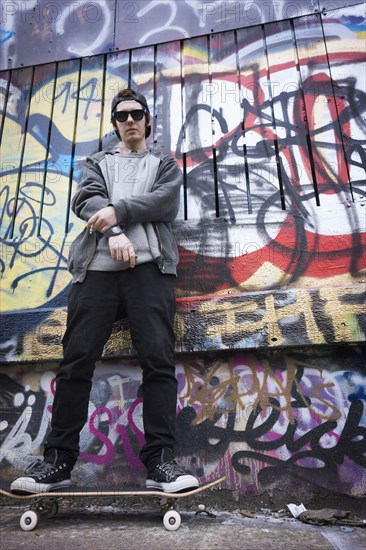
(116, 230)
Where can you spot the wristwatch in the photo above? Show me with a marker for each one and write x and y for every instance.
(114, 231)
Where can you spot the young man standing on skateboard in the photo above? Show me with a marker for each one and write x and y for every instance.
(124, 261)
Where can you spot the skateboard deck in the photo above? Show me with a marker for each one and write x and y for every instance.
(46, 504)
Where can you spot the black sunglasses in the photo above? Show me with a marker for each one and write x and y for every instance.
(122, 116)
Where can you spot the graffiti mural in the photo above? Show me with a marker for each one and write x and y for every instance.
(254, 417)
(267, 125)
(40, 31)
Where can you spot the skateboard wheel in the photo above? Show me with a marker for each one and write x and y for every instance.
(172, 520)
(29, 520)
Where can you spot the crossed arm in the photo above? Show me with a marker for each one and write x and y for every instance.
(91, 203)
(120, 246)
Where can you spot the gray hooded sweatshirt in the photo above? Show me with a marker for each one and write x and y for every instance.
(154, 205)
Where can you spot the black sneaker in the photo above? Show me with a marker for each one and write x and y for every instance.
(41, 477)
(170, 477)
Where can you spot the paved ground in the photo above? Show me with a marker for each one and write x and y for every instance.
(140, 527)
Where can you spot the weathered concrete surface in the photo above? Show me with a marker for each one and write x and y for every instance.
(140, 527)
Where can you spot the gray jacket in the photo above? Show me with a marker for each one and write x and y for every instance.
(159, 207)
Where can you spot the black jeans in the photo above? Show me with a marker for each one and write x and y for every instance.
(146, 296)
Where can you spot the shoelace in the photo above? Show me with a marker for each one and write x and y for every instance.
(39, 467)
(171, 469)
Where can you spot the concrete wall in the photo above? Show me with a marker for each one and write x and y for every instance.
(267, 123)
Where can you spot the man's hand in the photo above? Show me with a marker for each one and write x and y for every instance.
(102, 220)
(122, 249)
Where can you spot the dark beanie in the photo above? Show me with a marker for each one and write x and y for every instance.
(135, 97)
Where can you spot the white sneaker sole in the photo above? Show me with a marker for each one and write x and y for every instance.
(183, 483)
(29, 485)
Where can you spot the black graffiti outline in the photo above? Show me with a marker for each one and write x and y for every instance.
(27, 229)
(299, 261)
(348, 445)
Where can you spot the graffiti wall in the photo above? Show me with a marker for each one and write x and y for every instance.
(268, 126)
(263, 107)
(42, 31)
(266, 421)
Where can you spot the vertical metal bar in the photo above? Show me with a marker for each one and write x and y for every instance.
(275, 141)
(306, 124)
(73, 153)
